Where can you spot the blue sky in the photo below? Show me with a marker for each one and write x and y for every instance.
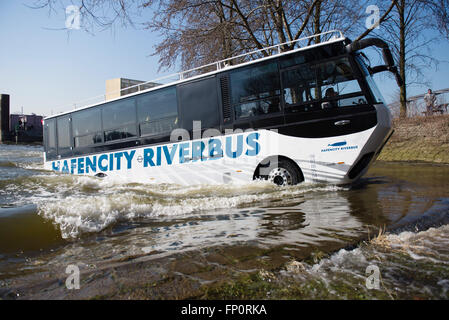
(46, 71)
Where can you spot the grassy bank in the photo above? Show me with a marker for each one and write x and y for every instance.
(422, 139)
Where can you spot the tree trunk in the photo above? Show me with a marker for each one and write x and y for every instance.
(317, 22)
(402, 59)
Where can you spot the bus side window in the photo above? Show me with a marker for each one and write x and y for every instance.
(199, 102)
(337, 85)
(50, 135)
(299, 87)
(255, 90)
(119, 119)
(86, 127)
(64, 136)
(157, 111)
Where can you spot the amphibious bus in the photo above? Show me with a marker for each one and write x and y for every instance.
(311, 114)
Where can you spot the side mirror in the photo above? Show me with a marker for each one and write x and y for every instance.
(386, 53)
(392, 69)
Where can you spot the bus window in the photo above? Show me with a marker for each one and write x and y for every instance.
(257, 108)
(299, 85)
(199, 101)
(50, 132)
(64, 136)
(310, 56)
(86, 127)
(374, 90)
(157, 111)
(119, 119)
(347, 102)
(255, 90)
(337, 86)
(120, 133)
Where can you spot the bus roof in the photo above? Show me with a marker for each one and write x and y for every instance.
(337, 36)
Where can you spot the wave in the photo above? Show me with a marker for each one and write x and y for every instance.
(7, 164)
(410, 264)
(82, 204)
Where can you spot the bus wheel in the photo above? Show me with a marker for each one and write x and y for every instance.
(284, 174)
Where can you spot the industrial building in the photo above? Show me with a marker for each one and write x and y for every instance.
(18, 127)
(115, 87)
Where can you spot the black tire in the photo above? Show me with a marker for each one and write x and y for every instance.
(282, 173)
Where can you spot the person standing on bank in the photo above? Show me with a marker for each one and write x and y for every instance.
(430, 98)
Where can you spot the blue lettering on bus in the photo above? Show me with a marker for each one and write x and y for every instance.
(72, 165)
(129, 158)
(169, 156)
(183, 152)
(65, 167)
(111, 162)
(154, 156)
(56, 165)
(158, 156)
(197, 150)
(215, 149)
(91, 163)
(238, 152)
(81, 165)
(118, 156)
(148, 155)
(251, 140)
(100, 162)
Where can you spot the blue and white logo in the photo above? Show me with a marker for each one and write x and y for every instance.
(339, 146)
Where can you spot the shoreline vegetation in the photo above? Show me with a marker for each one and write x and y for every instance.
(418, 139)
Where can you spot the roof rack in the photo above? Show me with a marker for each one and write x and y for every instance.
(219, 65)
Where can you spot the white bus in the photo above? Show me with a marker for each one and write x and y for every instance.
(312, 114)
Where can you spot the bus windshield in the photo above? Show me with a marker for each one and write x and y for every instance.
(331, 83)
(369, 79)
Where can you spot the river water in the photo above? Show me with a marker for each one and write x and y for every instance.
(231, 241)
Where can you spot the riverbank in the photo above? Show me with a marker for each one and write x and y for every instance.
(419, 139)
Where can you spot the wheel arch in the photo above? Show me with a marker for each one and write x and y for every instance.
(267, 161)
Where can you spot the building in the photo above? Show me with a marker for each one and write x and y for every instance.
(4, 117)
(28, 127)
(18, 127)
(114, 87)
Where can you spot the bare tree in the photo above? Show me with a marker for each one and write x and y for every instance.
(346, 16)
(101, 14)
(198, 32)
(440, 10)
(406, 27)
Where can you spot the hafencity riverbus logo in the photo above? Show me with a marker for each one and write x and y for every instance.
(182, 152)
(339, 146)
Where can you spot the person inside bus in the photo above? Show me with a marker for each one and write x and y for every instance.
(330, 94)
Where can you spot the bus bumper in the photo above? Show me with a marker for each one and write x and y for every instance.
(373, 147)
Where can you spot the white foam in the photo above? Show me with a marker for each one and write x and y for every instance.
(79, 204)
